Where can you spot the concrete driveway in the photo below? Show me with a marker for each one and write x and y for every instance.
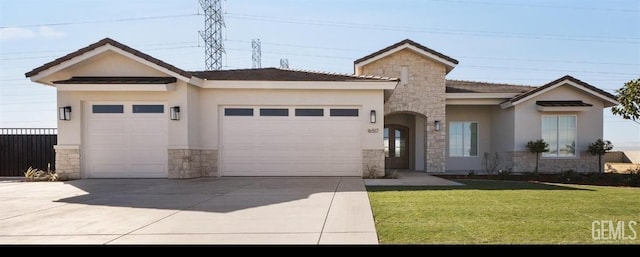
(287, 210)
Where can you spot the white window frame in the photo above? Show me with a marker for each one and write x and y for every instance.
(557, 156)
(477, 140)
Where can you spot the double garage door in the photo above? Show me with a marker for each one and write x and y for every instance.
(126, 140)
(290, 141)
(129, 140)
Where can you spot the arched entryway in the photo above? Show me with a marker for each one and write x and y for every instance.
(396, 146)
(404, 141)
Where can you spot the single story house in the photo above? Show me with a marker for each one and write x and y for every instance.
(125, 114)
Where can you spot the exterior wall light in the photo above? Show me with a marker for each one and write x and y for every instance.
(64, 113)
(437, 124)
(372, 117)
(175, 113)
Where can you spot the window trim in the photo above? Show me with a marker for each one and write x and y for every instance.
(477, 140)
(93, 111)
(133, 108)
(576, 153)
(296, 114)
(224, 112)
(331, 114)
(273, 112)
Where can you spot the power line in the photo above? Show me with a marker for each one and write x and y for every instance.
(539, 6)
(100, 21)
(436, 30)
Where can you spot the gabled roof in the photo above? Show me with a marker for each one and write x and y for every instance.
(611, 99)
(462, 86)
(409, 44)
(107, 41)
(277, 74)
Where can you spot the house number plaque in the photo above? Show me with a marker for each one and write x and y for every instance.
(373, 130)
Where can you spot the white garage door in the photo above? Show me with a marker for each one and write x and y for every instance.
(290, 141)
(126, 140)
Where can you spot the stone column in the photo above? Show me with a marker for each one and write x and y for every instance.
(372, 161)
(67, 161)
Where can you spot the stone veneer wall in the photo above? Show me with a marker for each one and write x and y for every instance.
(523, 161)
(192, 163)
(372, 159)
(67, 163)
(423, 94)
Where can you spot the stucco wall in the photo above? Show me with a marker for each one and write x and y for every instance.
(108, 63)
(423, 93)
(528, 126)
(69, 132)
(471, 113)
(502, 135)
(528, 120)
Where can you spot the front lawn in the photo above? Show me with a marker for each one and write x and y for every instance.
(506, 212)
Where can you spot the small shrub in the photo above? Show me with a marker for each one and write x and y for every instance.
(491, 162)
(633, 179)
(34, 174)
(568, 176)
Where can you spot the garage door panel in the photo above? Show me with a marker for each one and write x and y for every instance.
(290, 146)
(102, 139)
(143, 124)
(107, 123)
(148, 155)
(126, 145)
(147, 140)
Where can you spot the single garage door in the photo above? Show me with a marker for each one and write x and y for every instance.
(126, 140)
(290, 141)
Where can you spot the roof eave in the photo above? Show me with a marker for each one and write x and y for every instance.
(450, 65)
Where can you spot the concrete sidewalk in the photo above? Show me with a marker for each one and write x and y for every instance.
(288, 210)
(412, 178)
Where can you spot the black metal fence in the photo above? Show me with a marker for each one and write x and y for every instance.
(21, 148)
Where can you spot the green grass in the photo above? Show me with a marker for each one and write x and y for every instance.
(501, 212)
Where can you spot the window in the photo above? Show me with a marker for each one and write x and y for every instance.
(155, 108)
(309, 112)
(463, 139)
(238, 111)
(344, 112)
(274, 112)
(106, 108)
(560, 133)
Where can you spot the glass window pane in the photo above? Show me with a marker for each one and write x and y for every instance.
(107, 108)
(274, 112)
(550, 134)
(343, 112)
(386, 142)
(560, 133)
(309, 112)
(238, 111)
(396, 145)
(566, 135)
(455, 139)
(148, 108)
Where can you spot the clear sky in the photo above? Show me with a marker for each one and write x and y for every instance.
(507, 41)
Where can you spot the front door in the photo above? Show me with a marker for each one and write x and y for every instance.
(395, 147)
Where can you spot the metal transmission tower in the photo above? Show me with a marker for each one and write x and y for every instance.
(212, 34)
(284, 63)
(256, 55)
